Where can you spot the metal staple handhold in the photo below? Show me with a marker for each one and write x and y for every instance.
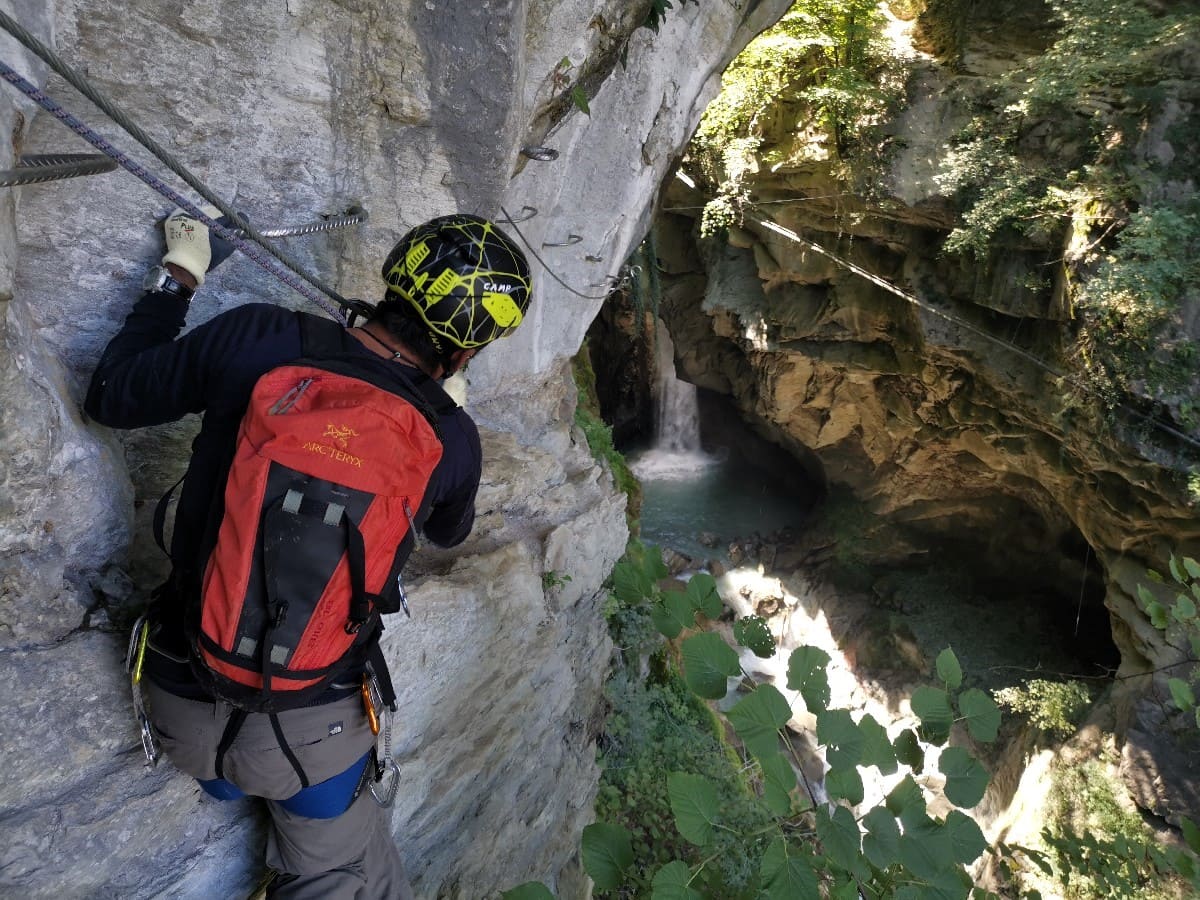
(528, 212)
(542, 154)
(55, 167)
(571, 239)
(353, 216)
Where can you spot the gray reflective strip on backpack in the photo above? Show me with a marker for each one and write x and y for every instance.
(279, 654)
(247, 646)
(291, 501)
(333, 514)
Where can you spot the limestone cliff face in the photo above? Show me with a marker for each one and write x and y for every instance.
(292, 110)
(960, 447)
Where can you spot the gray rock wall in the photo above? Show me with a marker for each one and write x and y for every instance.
(290, 110)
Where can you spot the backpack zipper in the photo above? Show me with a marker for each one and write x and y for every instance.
(285, 403)
(412, 525)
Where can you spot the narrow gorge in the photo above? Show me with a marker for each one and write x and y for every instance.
(880, 289)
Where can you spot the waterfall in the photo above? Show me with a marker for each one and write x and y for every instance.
(678, 427)
(676, 454)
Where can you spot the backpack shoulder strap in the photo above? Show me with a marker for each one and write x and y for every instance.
(325, 339)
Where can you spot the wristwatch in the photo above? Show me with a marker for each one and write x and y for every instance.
(158, 279)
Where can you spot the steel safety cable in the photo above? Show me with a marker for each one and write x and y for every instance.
(513, 224)
(963, 323)
(242, 235)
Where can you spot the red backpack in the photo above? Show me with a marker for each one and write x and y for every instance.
(321, 504)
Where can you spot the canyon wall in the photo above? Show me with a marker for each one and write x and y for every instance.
(929, 386)
(294, 110)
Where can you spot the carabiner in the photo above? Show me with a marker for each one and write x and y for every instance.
(387, 780)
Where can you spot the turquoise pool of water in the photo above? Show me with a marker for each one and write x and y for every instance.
(687, 494)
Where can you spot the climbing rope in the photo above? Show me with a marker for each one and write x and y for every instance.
(240, 233)
(55, 167)
(963, 323)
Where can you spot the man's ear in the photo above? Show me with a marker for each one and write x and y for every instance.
(459, 360)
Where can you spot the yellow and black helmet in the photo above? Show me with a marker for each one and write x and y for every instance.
(466, 279)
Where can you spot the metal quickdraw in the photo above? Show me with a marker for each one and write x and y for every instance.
(135, 658)
(384, 785)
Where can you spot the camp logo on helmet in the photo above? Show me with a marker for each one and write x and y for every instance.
(499, 288)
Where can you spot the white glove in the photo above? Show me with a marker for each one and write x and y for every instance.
(188, 244)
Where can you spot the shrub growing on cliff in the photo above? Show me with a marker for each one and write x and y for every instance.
(824, 59)
(1055, 707)
(1063, 147)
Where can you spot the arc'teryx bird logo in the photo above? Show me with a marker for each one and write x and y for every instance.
(341, 434)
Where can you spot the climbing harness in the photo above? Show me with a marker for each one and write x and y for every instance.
(252, 244)
(55, 167)
(135, 658)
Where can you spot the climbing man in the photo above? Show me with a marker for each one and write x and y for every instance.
(323, 451)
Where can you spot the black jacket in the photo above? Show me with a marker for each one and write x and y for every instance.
(148, 375)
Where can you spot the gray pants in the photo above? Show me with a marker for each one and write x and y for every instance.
(350, 857)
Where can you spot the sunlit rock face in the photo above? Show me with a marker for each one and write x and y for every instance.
(961, 448)
(292, 111)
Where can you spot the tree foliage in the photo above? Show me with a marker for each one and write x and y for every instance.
(1062, 151)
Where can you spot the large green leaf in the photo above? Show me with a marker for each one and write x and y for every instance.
(695, 805)
(1184, 609)
(652, 564)
(1145, 596)
(841, 738)
(607, 853)
(1191, 566)
(703, 597)
(530, 890)
(949, 670)
(845, 784)
(779, 780)
(1177, 570)
(841, 839)
(966, 778)
(950, 884)
(966, 838)
(1191, 834)
(877, 749)
(672, 614)
(981, 713)
(1181, 693)
(631, 585)
(881, 843)
(753, 632)
(671, 882)
(758, 717)
(925, 848)
(708, 663)
(787, 873)
(905, 801)
(932, 707)
(807, 674)
(908, 750)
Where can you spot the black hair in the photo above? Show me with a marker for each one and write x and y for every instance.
(404, 324)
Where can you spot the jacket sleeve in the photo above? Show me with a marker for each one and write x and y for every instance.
(453, 511)
(145, 376)
(148, 375)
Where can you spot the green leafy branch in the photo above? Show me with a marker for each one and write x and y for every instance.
(895, 849)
